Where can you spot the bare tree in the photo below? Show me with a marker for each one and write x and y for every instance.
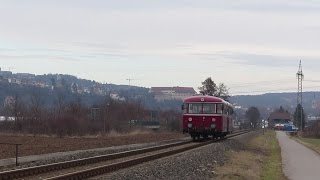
(253, 116)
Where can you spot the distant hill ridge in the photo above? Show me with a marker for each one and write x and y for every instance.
(288, 100)
(311, 100)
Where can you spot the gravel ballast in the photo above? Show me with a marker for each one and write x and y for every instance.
(195, 164)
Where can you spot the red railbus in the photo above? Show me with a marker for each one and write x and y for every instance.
(205, 116)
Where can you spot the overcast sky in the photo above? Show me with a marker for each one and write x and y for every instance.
(252, 46)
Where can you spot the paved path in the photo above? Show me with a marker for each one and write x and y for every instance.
(298, 161)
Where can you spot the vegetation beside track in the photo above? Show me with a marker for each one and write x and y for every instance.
(260, 159)
(311, 143)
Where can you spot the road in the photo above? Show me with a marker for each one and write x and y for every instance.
(298, 161)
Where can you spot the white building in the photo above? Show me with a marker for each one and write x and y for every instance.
(172, 93)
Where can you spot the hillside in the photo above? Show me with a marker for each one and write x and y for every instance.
(268, 102)
(50, 87)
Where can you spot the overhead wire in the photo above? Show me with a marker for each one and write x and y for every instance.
(260, 82)
(268, 83)
(274, 90)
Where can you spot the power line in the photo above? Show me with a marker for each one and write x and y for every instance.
(257, 85)
(268, 83)
(312, 80)
(275, 90)
(265, 91)
(259, 82)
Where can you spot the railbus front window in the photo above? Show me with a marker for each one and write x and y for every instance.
(195, 108)
(209, 108)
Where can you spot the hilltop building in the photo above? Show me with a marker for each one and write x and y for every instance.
(172, 93)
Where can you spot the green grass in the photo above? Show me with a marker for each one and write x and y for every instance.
(272, 170)
(311, 143)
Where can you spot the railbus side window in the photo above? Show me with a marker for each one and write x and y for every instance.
(219, 109)
(195, 108)
(226, 110)
(209, 108)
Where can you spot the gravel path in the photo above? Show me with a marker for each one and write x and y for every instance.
(194, 164)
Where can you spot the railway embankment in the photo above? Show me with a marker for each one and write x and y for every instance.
(259, 159)
(201, 163)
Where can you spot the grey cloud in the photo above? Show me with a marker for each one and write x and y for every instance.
(150, 5)
(246, 5)
(260, 59)
(37, 57)
(274, 61)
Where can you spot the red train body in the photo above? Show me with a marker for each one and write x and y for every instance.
(205, 116)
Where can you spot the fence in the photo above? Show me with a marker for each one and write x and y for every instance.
(17, 149)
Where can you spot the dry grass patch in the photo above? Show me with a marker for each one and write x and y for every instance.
(240, 167)
(260, 160)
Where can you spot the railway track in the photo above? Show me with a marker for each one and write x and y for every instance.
(94, 166)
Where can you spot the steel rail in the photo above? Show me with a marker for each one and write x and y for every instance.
(32, 171)
(83, 174)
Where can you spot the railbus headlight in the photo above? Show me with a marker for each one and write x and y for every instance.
(213, 119)
(190, 119)
(213, 126)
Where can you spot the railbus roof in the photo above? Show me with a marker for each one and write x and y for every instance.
(210, 99)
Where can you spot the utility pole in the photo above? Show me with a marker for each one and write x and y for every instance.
(300, 77)
(129, 93)
(129, 81)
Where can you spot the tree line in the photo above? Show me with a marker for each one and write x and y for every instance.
(73, 117)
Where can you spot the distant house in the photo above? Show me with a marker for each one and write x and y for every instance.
(115, 96)
(311, 118)
(97, 89)
(25, 76)
(279, 118)
(14, 81)
(74, 88)
(171, 93)
(41, 85)
(2, 79)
